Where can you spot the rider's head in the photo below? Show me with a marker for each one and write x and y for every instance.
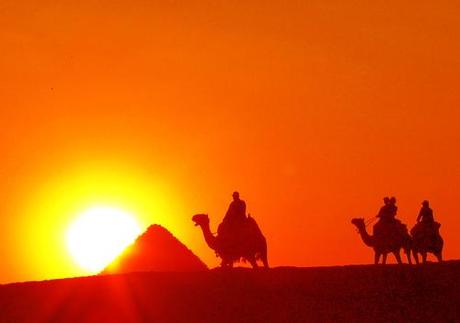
(236, 195)
(426, 203)
(386, 200)
(393, 200)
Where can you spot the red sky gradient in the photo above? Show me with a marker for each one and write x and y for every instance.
(313, 110)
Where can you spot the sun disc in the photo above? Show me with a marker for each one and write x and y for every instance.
(99, 235)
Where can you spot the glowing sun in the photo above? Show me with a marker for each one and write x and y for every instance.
(99, 235)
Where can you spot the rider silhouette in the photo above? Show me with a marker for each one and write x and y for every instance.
(393, 209)
(426, 213)
(236, 212)
(384, 212)
(234, 218)
(386, 215)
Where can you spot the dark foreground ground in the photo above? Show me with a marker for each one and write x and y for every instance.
(429, 293)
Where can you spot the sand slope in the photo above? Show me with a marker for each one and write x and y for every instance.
(429, 293)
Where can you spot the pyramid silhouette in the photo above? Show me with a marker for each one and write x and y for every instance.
(156, 250)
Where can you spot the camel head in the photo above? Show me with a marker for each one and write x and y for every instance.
(359, 222)
(200, 219)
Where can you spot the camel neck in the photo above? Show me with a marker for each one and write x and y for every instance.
(367, 239)
(208, 236)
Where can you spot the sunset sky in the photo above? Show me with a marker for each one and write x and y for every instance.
(312, 110)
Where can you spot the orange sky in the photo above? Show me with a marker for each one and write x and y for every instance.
(313, 110)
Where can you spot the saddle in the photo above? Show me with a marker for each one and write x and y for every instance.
(390, 229)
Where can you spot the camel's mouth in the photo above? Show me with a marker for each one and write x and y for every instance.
(198, 219)
(195, 221)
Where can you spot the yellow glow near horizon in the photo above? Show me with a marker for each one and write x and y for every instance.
(99, 235)
(75, 188)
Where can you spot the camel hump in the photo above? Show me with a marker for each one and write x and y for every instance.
(251, 221)
(390, 230)
(252, 225)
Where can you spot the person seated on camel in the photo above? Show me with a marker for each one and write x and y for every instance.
(393, 209)
(383, 215)
(426, 213)
(234, 218)
(384, 210)
(387, 216)
(426, 226)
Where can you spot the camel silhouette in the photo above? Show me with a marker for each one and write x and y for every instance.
(390, 242)
(424, 242)
(251, 245)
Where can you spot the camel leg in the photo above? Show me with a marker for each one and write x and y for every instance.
(384, 258)
(376, 258)
(226, 263)
(439, 256)
(409, 259)
(265, 261)
(416, 257)
(253, 263)
(398, 257)
(263, 255)
(424, 257)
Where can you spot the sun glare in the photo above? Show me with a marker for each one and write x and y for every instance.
(99, 235)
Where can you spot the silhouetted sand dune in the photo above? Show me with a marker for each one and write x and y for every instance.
(392, 293)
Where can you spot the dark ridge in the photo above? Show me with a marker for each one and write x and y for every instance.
(156, 250)
(428, 293)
